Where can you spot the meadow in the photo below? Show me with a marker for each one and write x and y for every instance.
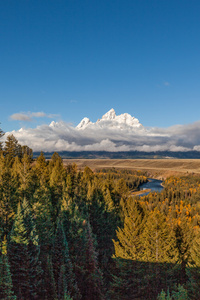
(157, 168)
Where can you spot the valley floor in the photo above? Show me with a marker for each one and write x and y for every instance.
(157, 168)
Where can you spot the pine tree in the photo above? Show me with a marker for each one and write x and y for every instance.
(93, 283)
(158, 239)
(129, 245)
(57, 175)
(12, 149)
(26, 150)
(26, 177)
(62, 267)
(7, 200)
(164, 296)
(104, 221)
(184, 240)
(42, 211)
(6, 287)
(180, 294)
(23, 251)
(160, 249)
(41, 170)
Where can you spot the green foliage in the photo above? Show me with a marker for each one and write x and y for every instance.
(6, 287)
(164, 296)
(7, 200)
(23, 251)
(93, 283)
(83, 235)
(180, 294)
(62, 266)
(11, 149)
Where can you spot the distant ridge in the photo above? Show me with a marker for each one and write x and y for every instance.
(122, 134)
(123, 155)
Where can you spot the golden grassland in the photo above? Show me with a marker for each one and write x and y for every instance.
(157, 168)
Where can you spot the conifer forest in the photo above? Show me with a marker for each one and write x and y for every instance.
(81, 234)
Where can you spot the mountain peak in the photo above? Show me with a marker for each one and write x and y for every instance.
(110, 115)
(83, 123)
(111, 120)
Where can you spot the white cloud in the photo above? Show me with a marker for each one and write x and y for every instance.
(108, 135)
(28, 116)
(21, 117)
(38, 114)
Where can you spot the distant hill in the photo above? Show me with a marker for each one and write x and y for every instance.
(124, 154)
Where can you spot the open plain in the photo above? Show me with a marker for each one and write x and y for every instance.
(157, 168)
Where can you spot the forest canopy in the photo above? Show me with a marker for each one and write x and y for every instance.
(71, 234)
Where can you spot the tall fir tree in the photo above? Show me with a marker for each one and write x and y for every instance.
(129, 244)
(7, 200)
(12, 149)
(6, 287)
(92, 288)
(62, 267)
(23, 252)
(41, 170)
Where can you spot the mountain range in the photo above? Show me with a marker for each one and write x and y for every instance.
(111, 133)
(112, 120)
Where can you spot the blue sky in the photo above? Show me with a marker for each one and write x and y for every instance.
(66, 60)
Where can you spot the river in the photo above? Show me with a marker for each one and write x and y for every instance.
(153, 184)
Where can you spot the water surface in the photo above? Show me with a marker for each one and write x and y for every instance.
(153, 184)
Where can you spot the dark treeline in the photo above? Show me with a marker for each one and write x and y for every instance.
(125, 154)
(66, 234)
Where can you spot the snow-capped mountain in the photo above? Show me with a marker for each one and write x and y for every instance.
(110, 119)
(83, 123)
(110, 133)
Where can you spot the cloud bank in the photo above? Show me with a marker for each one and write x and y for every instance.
(110, 133)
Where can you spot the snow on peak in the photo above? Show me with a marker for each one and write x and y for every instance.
(110, 115)
(52, 124)
(84, 123)
(110, 119)
(128, 119)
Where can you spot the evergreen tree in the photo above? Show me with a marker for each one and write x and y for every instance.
(158, 239)
(23, 251)
(6, 287)
(57, 174)
(184, 241)
(159, 248)
(42, 209)
(26, 177)
(7, 200)
(93, 282)
(62, 267)
(129, 244)
(164, 296)
(180, 294)
(26, 150)
(12, 149)
(104, 221)
(41, 170)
